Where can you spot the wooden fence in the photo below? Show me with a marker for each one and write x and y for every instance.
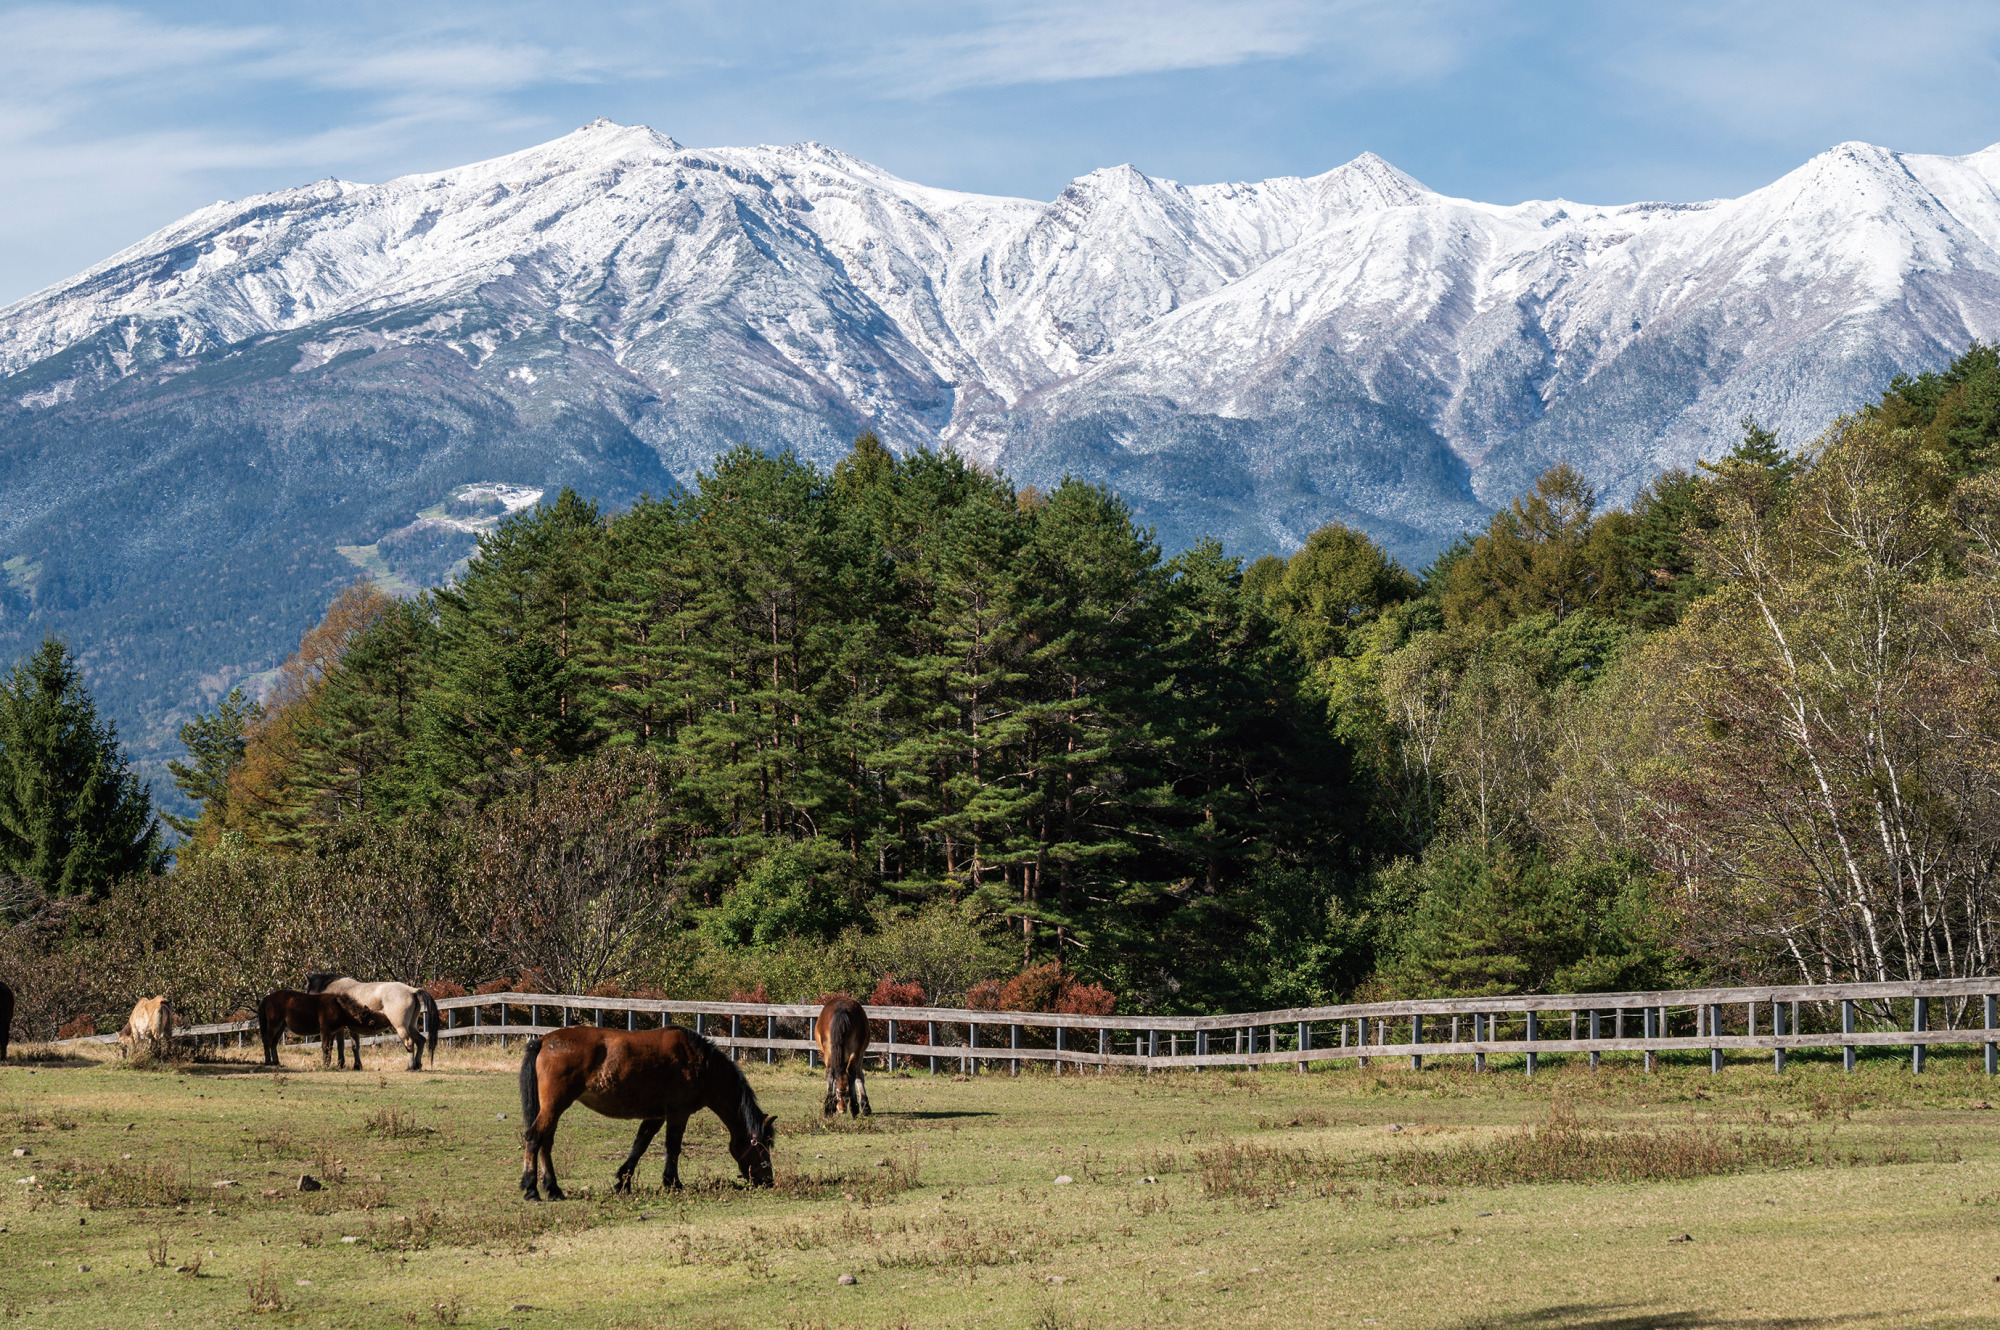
(1716, 1022)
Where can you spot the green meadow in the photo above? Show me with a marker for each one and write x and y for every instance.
(1378, 1196)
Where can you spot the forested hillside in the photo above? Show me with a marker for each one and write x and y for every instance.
(901, 725)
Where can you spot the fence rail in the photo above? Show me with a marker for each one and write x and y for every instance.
(1716, 1021)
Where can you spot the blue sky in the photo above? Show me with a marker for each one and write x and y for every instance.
(116, 119)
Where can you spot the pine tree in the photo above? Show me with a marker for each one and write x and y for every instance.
(215, 742)
(72, 815)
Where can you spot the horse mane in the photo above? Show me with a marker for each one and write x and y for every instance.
(317, 981)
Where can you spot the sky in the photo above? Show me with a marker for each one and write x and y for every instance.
(117, 119)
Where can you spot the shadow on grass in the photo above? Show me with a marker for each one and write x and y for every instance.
(1582, 1316)
(943, 1113)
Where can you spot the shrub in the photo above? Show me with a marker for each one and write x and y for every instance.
(1042, 988)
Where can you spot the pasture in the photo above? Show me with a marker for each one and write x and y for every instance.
(1350, 1197)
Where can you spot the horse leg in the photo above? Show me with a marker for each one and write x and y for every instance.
(676, 1126)
(835, 1101)
(413, 1040)
(647, 1130)
(357, 1049)
(860, 1083)
(541, 1145)
(340, 1048)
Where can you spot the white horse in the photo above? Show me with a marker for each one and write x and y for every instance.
(412, 1011)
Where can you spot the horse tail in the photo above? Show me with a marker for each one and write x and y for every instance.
(263, 1035)
(839, 1031)
(431, 1021)
(531, 1091)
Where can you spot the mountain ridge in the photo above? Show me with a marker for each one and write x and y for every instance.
(213, 414)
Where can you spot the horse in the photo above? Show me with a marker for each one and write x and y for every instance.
(328, 1015)
(657, 1076)
(842, 1035)
(6, 1018)
(412, 1012)
(151, 1022)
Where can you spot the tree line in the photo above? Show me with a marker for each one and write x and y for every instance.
(1740, 729)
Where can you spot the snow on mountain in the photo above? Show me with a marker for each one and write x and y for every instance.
(266, 382)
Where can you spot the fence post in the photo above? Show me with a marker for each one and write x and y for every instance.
(930, 1037)
(1152, 1049)
(1201, 1046)
(770, 1037)
(1479, 1020)
(1014, 1041)
(735, 1033)
(1648, 1024)
(1847, 1027)
(1777, 1031)
(1715, 1032)
(1416, 1037)
(1062, 1043)
(1596, 1020)
(1921, 1023)
(969, 1064)
(1992, 1049)
(890, 1055)
(1531, 1039)
(1305, 1042)
(1103, 1045)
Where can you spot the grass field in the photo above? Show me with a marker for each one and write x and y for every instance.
(1350, 1197)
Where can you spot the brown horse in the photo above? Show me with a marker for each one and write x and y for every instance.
(842, 1035)
(657, 1076)
(327, 1015)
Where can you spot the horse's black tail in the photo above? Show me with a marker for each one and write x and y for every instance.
(431, 1021)
(531, 1093)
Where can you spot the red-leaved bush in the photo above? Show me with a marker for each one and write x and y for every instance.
(891, 992)
(445, 988)
(757, 994)
(1042, 988)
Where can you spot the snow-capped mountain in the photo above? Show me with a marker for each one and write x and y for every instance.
(232, 402)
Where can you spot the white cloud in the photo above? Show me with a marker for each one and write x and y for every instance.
(1054, 41)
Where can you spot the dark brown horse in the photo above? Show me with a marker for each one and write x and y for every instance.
(842, 1035)
(326, 1015)
(657, 1076)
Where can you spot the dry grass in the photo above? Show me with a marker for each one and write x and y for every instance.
(1190, 1199)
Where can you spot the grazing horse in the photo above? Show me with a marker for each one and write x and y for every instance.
(151, 1023)
(842, 1035)
(412, 1012)
(6, 1018)
(328, 1015)
(656, 1076)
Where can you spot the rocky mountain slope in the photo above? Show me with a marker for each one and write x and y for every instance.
(202, 435)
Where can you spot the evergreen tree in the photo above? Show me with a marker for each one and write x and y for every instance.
(1333, 584)
(1957, 409)
(215, 743)
(1547, 554)
(72, 816)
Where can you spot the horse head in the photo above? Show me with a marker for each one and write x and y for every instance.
(753, 1154)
